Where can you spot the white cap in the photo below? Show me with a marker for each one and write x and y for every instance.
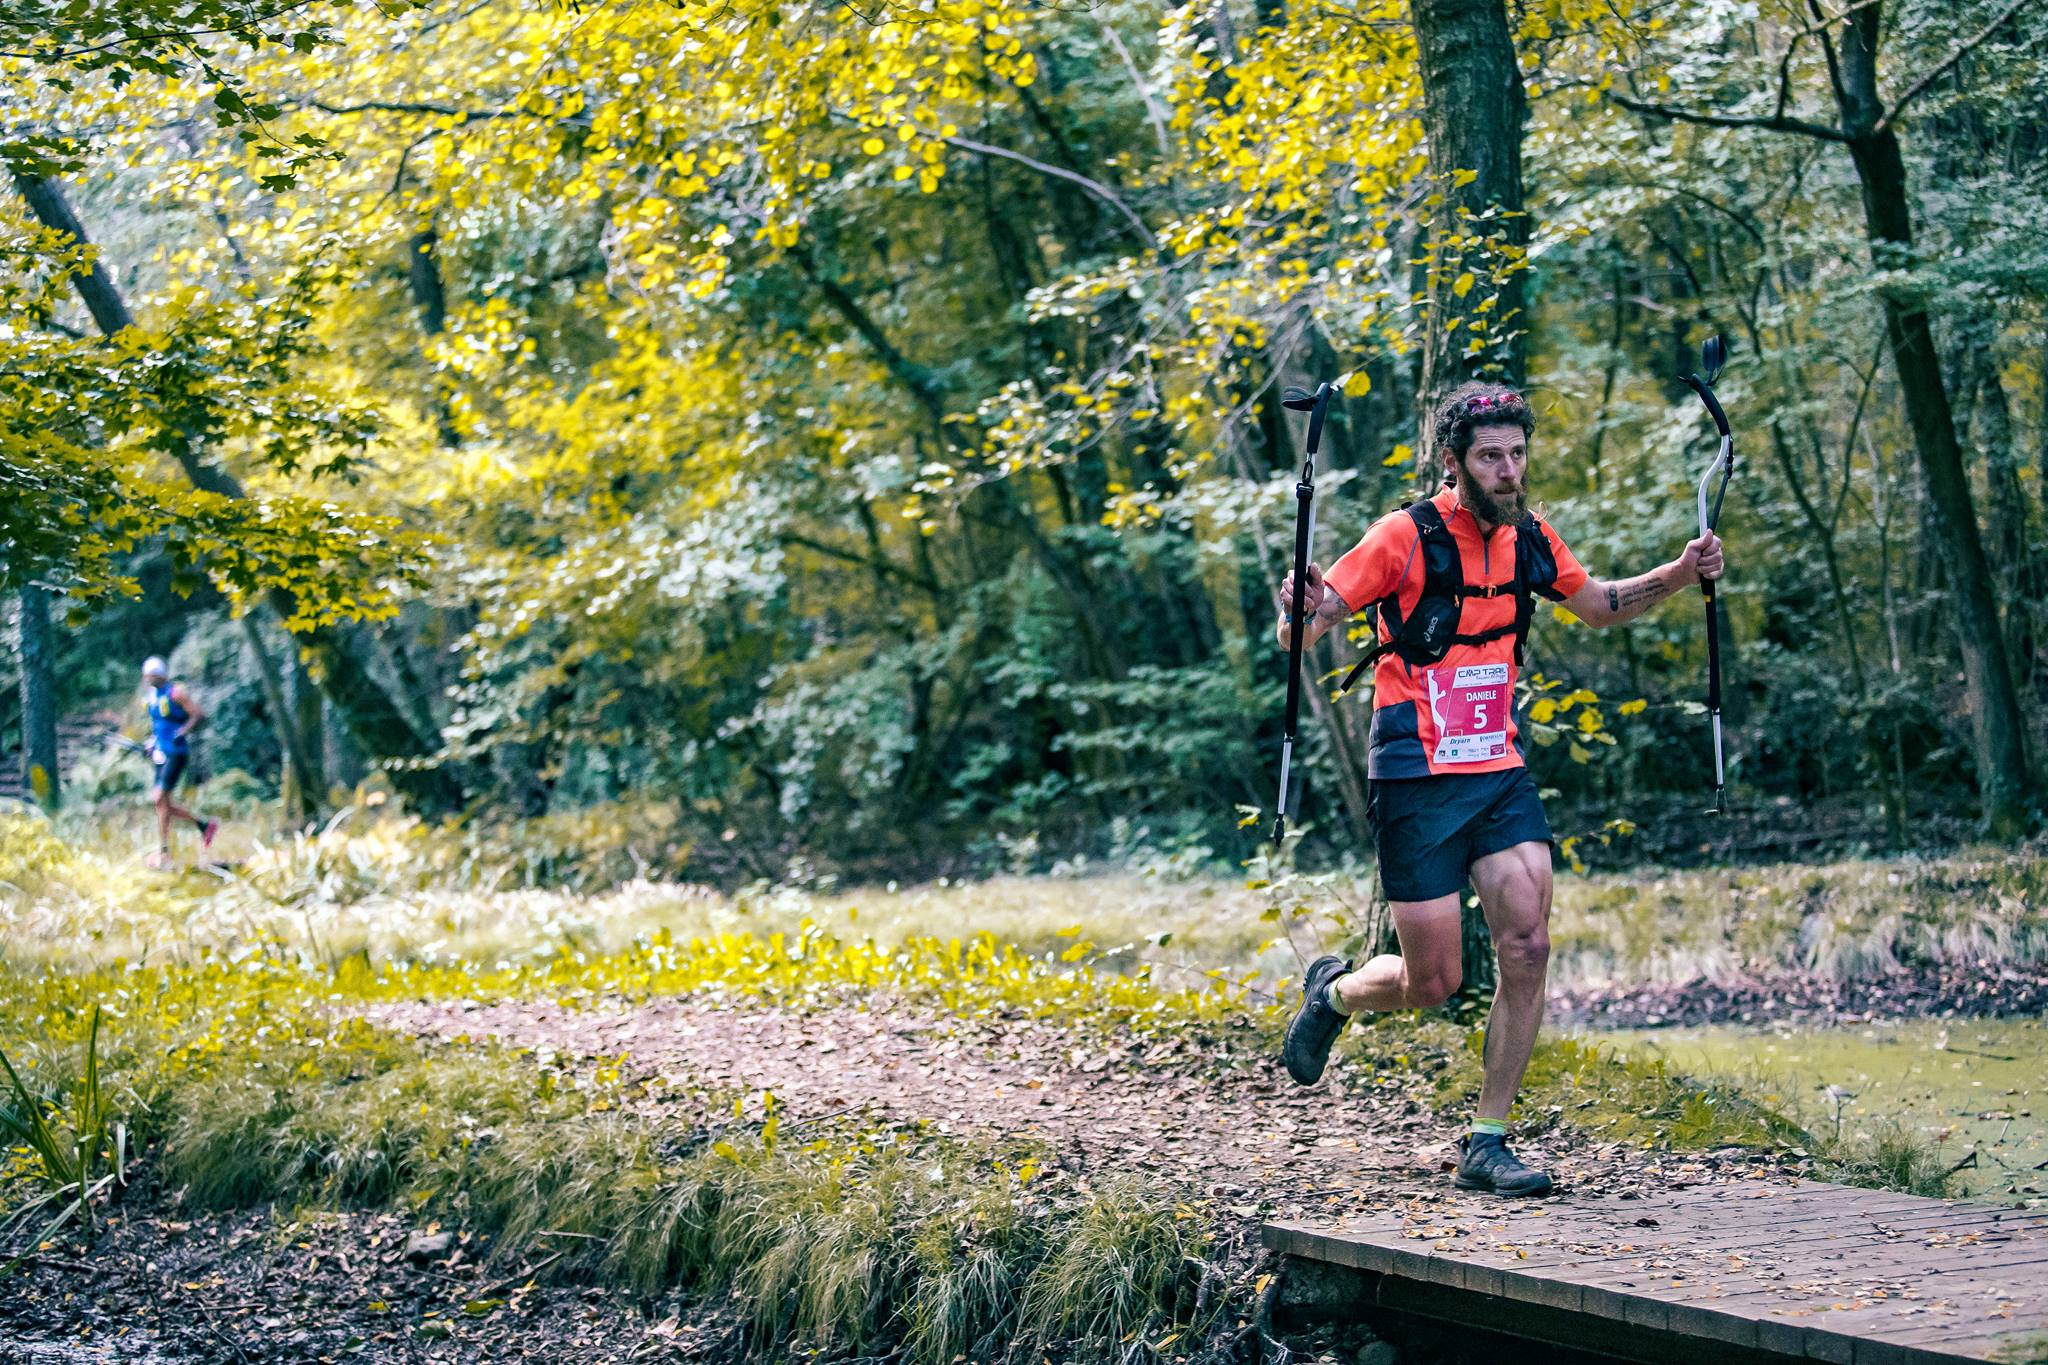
(155, 667)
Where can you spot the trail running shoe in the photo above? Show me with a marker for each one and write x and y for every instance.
(206, 834)
(1487, 1164)
(1316, 1025)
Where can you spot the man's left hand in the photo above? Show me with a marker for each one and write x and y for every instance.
(1702, 558)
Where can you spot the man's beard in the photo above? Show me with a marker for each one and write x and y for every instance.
(1500, 509)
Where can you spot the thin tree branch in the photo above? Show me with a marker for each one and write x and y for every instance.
(1094, 187)
(1153, 112)
(1919, 87)
(438, 111)
(1821, 19)
(1774, 125)
(879, 565)
(185, 35)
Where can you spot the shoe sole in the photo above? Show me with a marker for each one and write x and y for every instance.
(1464, 1184)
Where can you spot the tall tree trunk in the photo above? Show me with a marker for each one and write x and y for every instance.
(430, 296)
(1473, 113)
(301, 785)
(39, 771)
(378, 727)
(1998, 736)
(302, 698)
(343, 761)
(1473, 110)
(2012, 544)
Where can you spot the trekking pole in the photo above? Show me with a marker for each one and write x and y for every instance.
(1316, 405)
(127, 745)
(1714, 355)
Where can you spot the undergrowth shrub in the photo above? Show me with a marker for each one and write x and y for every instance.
(31, 854)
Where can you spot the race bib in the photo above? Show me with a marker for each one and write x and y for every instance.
(1470, 707)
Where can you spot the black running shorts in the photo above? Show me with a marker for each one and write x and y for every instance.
(1430, 830)
(170, 768)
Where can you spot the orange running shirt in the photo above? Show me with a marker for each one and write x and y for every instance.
(1456, 716)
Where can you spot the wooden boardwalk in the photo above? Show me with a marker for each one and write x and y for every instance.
(1710, 1273)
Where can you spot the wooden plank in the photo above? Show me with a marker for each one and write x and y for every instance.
(1874, 1263)
(1910, 1229)
(1535, 1322)
(1904, 1218)
(1757, 1268)
(1964, 1327)
(2003, 1279)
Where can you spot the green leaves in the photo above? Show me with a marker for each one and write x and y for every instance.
(76, 1161)
(99, 51)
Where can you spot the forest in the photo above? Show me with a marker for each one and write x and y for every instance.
(710, 533)
(854, 437)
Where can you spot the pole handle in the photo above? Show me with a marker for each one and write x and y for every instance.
(1317, 406)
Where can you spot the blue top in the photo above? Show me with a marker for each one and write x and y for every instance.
(166, 717)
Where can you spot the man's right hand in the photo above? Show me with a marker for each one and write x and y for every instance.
(1311, 593)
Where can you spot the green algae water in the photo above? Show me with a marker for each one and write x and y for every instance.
(1977, 1086)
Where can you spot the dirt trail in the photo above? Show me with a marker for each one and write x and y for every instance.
(1216, 1115)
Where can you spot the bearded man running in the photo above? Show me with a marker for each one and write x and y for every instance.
(1450, 798)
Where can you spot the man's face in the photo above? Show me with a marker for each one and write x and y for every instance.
(152, 678)
(1492, 476)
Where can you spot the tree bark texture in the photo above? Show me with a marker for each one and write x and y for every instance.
(303, 699)
(1474, 110)
(39, 769)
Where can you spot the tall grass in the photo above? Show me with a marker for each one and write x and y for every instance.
(859, 1239)
(76, 1159)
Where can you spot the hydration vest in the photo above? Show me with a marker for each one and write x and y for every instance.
(1429, 632)
(165, 718)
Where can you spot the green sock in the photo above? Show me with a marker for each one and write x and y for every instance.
(1497, 1127)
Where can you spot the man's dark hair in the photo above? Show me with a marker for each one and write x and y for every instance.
(1474, 404)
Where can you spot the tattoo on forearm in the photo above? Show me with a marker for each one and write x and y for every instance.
(1637, 592)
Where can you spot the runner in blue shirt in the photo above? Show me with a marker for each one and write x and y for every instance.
(173, 715)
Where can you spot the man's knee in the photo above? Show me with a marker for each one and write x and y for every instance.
(1525, 952)
(1430, 984)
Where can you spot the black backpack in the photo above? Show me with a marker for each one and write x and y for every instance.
(1428, 634)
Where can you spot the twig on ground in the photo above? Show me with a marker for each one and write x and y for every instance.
(227, 1340)
(52, 1262)
(522, 1277)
